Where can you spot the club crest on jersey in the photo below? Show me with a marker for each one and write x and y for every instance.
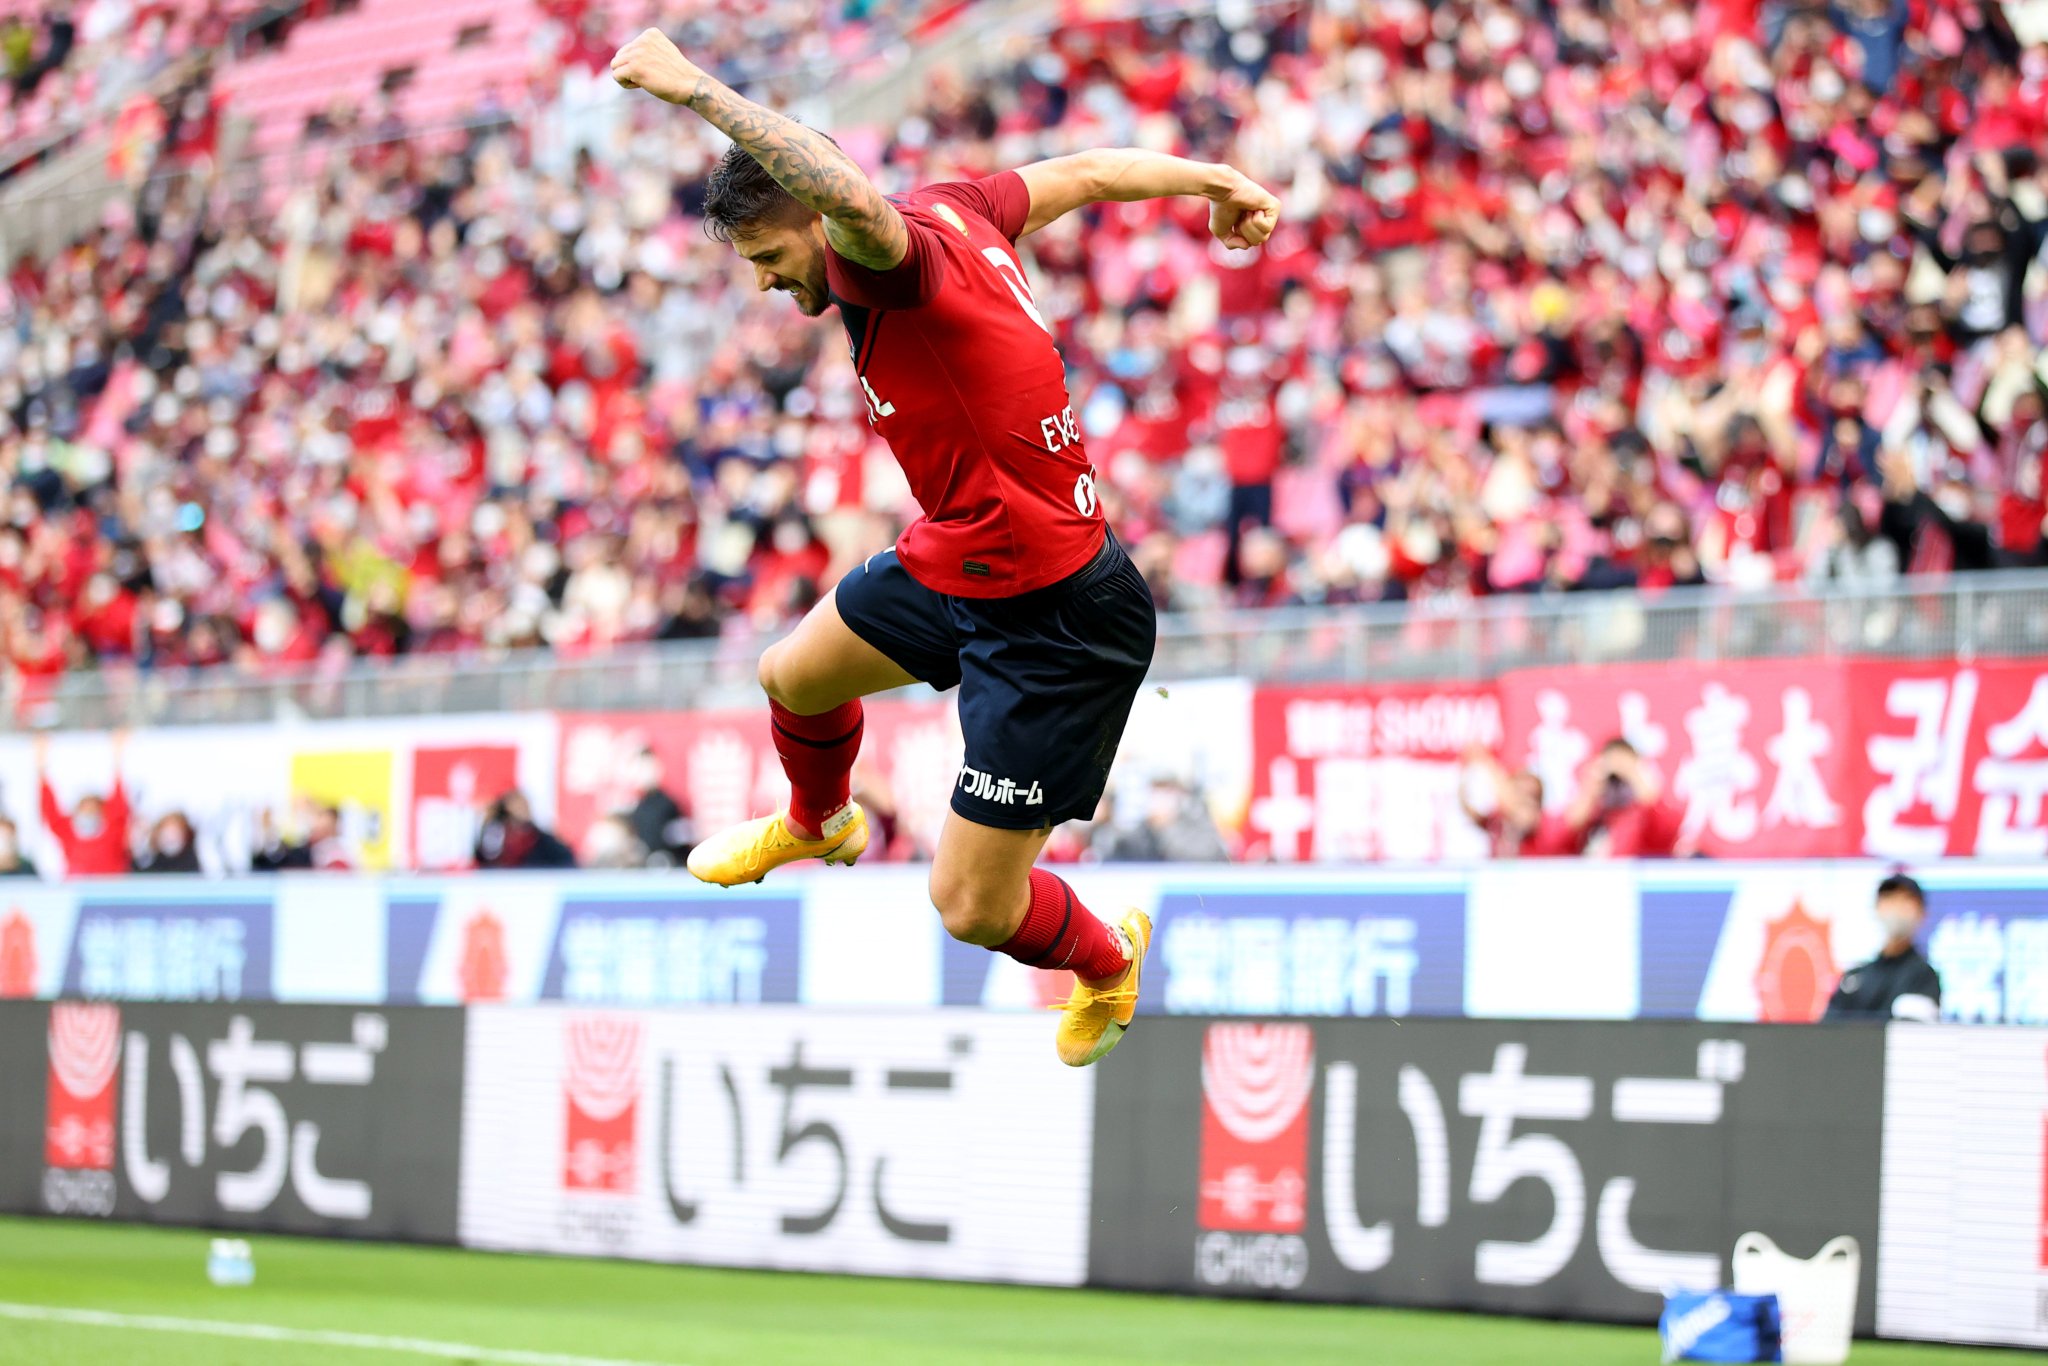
(1002, 791)
(946, 212)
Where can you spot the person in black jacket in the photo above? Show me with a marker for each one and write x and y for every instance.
(658, 820)
(510, 839)
(12, 864)
(1899, 982)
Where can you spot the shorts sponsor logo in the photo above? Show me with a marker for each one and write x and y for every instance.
(1002, 791)
(601, 1092)
(1256, 1082)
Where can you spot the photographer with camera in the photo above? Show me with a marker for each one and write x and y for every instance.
(511, 839)
(1621, 809)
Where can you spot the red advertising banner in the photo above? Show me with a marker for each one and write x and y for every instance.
(1366, 773)
(1951, 759)
(722, 767)
(1809, 758)
(1753, 753)
(451, 787)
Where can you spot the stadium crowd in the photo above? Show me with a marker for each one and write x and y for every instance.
(1569, 296)
(69, 67)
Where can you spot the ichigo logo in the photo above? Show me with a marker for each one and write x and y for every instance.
(483, 969)
(601, 1085)
(1795, 973)
(78, 1124)
(1256, 1081)
(17, 955)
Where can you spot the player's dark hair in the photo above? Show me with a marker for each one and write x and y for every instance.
(1898, 884)
(742, 197)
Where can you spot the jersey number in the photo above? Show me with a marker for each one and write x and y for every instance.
(1019, 289)
(877, 410)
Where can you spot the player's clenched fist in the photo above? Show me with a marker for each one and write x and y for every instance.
(653, 63)
(1244, 217)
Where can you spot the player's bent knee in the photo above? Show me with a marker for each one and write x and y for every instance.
(970, 913)
(785, 680)
(769, 672)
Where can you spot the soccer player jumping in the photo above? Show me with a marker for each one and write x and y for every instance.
(1010, 585)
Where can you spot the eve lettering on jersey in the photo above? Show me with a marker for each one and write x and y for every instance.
(1060, 430)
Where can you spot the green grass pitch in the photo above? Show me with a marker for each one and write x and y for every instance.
(481, 1308)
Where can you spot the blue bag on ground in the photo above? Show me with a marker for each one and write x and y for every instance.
(1718, 1325)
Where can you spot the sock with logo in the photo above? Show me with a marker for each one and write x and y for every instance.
(1059, 932)
(817, 754)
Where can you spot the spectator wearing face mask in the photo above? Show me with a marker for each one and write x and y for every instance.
(611, 843)
(321, 847)
(1176, 828)
(1899, 983)
(171, 847)
(12, 864)
(93, 834)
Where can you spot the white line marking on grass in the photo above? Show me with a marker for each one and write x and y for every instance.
(313, 1337)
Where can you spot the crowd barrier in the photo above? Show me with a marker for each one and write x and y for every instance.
(1575, 1169)
(1800, 758)
(1689, 940)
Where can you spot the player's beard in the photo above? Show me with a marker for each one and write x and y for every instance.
(811, 296)
(812, 293)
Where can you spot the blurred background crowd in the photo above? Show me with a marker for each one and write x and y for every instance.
(1569, 296)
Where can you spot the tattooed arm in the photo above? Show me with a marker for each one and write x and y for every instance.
(860, 224)
(1242, 213)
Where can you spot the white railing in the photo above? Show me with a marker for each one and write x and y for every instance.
(1963, 617)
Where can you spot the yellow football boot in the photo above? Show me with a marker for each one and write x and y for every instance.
(746, 852)
(1094, 1019)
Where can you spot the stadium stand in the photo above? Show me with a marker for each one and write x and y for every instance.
(1776, 312)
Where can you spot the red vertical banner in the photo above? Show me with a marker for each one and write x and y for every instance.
(1952, 759)
(1256, 1081)
(85, 1053)
(601, 1098)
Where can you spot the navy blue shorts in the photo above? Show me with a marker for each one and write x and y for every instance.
(1046, 678)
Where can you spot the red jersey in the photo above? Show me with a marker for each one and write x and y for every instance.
(963, 381)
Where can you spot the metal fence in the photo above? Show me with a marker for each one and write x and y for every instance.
(1963, 618)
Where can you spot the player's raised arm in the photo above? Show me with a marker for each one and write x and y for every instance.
(860, 223)
(1242, 214)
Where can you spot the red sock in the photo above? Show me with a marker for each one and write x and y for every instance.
(817, 754)
(1059, 932)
